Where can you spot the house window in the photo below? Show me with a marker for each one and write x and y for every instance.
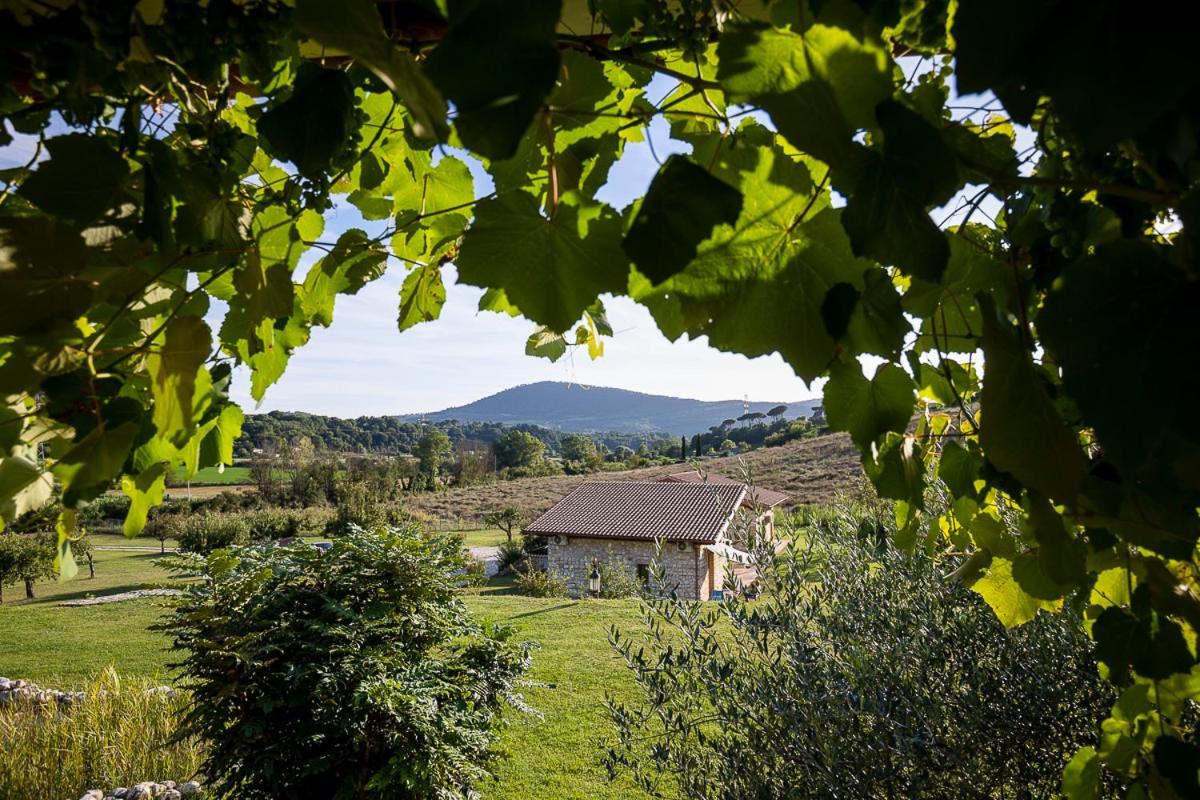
(643, 573)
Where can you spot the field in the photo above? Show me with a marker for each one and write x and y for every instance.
(210, 476)
(553, 758)
(807, 470)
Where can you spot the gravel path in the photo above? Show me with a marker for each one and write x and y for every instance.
(117, 598)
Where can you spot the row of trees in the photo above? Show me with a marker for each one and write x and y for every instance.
(393, 436)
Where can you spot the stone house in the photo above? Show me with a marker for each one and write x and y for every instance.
(690, 513)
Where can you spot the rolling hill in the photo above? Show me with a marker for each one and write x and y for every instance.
(807, 471)
(583, 409)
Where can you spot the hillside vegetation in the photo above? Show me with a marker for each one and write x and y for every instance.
(587, 409)
(808, 471)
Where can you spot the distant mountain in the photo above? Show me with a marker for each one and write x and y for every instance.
(578, 408)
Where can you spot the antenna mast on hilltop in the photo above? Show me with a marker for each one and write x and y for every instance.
(745, 404)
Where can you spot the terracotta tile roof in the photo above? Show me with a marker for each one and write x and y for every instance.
(677, 512)
(767, 498)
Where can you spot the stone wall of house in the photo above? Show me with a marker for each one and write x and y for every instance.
(684, 569)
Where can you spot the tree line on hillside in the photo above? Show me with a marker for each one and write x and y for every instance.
(580, 452)
(393, 436)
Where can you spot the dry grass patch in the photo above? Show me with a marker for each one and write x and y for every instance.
(808, 471)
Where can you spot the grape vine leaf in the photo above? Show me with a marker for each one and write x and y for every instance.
(88, 468)
(1011, 604)
(495, 105)
(819, 85)
(144, 492)
(545, 343)
(1021, 430)
(1126, 310)
(23, 487)
(354, 27)
(1081, 776)
(1179, 763)
(82, 179)
(886, 214)
(422, 296)
(314, 123)
(552, 268)
(187, 342)
(682, 206)
(354, 261)
(867, 409)
(757, 286)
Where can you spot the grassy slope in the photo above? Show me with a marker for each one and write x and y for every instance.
(808, 471)
(554, 758)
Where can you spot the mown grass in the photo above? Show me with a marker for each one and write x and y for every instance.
(211, 476)
(555, 757)
(490, 537)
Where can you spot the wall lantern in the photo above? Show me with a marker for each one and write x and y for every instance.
(594, 580)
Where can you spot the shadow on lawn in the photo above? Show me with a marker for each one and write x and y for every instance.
(542, 611)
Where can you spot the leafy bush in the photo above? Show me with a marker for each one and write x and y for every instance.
(232, 501)
(617, 580)
(475, 574)
(204, 533)
(106, 507)
(351, 673)
(269, 524)
(541, 583)
(357, 506)
(861, 672)
(123, 731)
(509, 555)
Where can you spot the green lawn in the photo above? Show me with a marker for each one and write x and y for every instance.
(553, 758)
(484, 538)
(209, 476)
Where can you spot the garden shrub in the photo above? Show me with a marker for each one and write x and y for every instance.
(860, 672)
(269, 524)
(352, 673)
(617, 580)
(474, 574)
(105, 508)
(541, 583)
(204, 533)
(509, 555)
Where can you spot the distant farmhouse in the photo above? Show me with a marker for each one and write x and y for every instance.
(689, 512)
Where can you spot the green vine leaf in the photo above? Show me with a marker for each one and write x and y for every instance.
(551, 268)
(495, 106)
(187, 343)
(82, 180)
(867, 409)
(314, 123)
(683, 205)
(1021, 430)
(421, 297)
(354, 27)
